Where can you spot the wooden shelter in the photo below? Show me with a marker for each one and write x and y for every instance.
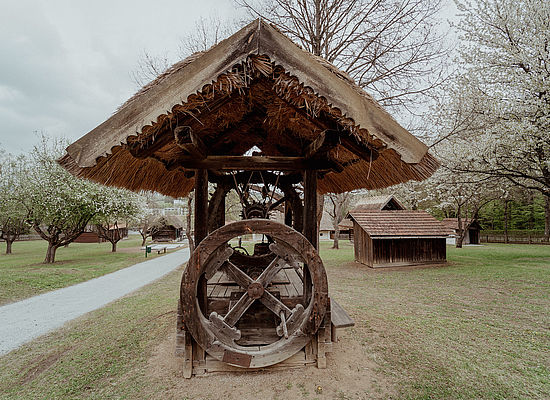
(398, 238)
(167, 228)
(471, 226)
(196, 124)
(346, 229)
(90, 234)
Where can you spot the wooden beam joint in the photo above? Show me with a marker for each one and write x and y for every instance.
(190, 142)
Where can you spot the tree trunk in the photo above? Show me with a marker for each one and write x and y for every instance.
(143, 240)
(547, 218)
(336, 237)
(506, 221)
(460, 233)
(113, 246)
(9, 242)
(50, 254)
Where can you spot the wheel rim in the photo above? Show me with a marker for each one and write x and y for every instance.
(217, 334)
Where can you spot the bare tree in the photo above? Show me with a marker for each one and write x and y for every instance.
(339, 206)
(207, 32)
(393, 48)
(149, 67)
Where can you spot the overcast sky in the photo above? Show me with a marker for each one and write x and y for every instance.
(65, 66)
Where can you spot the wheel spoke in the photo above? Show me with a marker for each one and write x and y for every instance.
(238, 310)
(269, 273)
(274, 304)
(287, 253)
(240, 277)
(288, 326)
(221, 254)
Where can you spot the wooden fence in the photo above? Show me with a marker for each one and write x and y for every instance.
(513, 239)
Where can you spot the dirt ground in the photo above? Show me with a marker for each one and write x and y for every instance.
(348, 375)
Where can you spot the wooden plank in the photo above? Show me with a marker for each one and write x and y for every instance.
(298, 360)
(252, 163)
(188, 357)
(218, 291)
(340, 318)
(295, 287)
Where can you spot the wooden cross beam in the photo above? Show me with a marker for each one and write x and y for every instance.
(253, 163)
(322, 144)
(190, 142)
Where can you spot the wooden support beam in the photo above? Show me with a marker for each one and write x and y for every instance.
(265, 177)
(190, 142)
(310, 207)
(147, 149)
(201, 205)
(362, 150)
(310, 222)
(252, 163)
(322, 144)
(201, 231)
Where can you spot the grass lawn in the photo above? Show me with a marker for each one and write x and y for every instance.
(478, 328)
(22, 274)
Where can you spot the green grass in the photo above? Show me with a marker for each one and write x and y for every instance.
(23, 274)
(478, 328)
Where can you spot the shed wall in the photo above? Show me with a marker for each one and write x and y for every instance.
(362, 245)
(403, 251)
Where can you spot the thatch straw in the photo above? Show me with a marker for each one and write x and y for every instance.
(256, 102)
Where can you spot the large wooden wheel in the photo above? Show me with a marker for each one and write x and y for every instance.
(217, 334)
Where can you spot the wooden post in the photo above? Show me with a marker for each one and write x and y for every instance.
(310, 207)
(201, 205)
(288, 213)
(310, 222)
(201, 231)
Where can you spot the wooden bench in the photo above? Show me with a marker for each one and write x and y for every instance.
(339, 318)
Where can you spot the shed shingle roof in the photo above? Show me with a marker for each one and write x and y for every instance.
(408, 223)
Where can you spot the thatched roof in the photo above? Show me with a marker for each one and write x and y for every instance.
(379, 203)
(255, 88)
(400, 223)
(168, 220)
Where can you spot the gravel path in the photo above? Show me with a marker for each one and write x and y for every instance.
(27, 319)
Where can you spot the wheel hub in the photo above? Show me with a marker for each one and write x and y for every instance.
(255, 290)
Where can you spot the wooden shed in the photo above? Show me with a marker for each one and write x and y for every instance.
(192, 129)
(471, 226)
(90, 234)
(346, 229)
(398, 238)
(167, 228)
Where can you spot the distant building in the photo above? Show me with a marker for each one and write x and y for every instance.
(167, 228)
(472, 228)
(386, 235)
(90, 234)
